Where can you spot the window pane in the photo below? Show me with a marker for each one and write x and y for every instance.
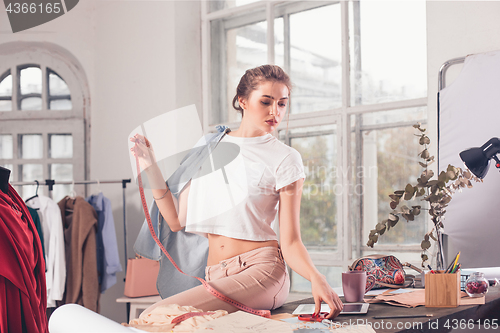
(234, 50)
(279, 44)
(333, 275)
(215, 5)
(31, 172)
(31, 80)
(318, 220)
(5, 105)
(61, 146)
(57, 86)
(31, 104)
(390, 161)
(61, 172)
(6, 146)
(315, 65)
(6, 91)
(413, 115)
(31, 146)
(6, 86)
(388, 64)
(60, 104)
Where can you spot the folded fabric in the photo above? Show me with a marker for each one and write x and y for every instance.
(160, 319)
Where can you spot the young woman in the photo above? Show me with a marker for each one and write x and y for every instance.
(245, 260)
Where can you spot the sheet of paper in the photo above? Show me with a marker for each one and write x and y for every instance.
(309, 308)
(375, 292)
(416, 297)
(316, 327)
(401, 291)
(243, 322)
(295, 323)
(74, 318)
(355, 329)
(280, 316)
(409, 299)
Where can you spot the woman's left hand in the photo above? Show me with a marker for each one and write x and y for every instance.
(322, 291)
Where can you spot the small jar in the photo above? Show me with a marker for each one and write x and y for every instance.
(476, 285)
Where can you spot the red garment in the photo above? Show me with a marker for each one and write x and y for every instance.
(23, 294)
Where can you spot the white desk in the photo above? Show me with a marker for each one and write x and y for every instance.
(138, 304)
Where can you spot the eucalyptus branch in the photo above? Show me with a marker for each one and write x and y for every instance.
(436, 192)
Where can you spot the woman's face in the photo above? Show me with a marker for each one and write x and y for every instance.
(265, 107)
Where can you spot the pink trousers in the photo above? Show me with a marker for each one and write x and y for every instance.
(257, 278)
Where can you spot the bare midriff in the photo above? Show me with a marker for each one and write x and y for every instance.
(222, 247)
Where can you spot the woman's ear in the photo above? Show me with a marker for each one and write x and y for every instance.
(242, 102)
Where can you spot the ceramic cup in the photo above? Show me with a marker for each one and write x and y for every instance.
(354, 284)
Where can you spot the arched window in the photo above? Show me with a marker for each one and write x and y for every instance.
(43, 108)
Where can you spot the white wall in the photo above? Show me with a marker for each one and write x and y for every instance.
(141, 59)
(147, 62)
(456, 29)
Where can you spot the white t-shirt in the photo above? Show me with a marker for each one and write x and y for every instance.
(240, 198)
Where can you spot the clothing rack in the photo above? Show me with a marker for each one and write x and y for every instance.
(51, 182)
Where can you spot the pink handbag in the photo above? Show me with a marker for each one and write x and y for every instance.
(141, 277)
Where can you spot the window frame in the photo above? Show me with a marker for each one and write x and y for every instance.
(341, 115)
(48, 57)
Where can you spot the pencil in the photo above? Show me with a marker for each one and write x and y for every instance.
(457, 267)
(451, 264)
(456, 261)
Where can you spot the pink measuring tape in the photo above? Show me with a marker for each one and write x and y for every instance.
(209, 288)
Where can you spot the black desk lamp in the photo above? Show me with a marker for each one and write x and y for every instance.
(477, 159)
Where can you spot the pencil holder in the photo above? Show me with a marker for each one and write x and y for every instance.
(442, 290)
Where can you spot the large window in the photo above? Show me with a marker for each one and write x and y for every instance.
(359, 75)
(42, 133)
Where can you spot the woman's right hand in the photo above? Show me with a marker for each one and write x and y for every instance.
(143, 151)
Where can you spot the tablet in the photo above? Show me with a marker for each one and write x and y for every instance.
(349, 308)
(355, 308)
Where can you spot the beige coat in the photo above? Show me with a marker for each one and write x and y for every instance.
(80, 227)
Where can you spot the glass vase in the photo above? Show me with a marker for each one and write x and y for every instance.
(476, 285)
